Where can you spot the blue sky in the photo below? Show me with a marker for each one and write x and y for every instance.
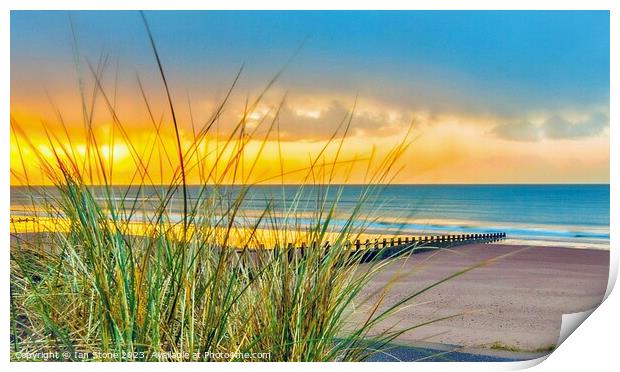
(558, 56)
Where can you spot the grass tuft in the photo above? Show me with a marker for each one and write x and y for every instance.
(113, 273)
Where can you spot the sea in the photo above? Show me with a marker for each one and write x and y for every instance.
(568, 215)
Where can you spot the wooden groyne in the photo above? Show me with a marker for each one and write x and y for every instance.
(426, 240)
(382, 248)
(400, 245)
(22, 219)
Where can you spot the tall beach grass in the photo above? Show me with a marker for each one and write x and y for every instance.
(194, 278)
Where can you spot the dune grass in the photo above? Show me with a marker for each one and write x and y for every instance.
(190, 287)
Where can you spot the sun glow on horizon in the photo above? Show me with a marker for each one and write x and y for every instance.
(450, 150)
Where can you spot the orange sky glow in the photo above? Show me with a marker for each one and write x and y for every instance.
(448, 149)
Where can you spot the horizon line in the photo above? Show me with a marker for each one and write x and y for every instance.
(355, 184)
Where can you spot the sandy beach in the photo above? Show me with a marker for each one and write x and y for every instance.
(513, 304)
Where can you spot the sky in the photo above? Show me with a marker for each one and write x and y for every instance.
(490, 96)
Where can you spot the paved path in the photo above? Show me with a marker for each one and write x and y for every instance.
(397, 353)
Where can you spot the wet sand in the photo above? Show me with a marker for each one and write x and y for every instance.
(515, 302)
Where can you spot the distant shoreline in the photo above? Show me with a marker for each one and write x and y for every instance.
(570, 215)
(24, 224)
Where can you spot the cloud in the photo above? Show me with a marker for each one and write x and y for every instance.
(553, 127)
(316, 124)
(517, 131)
(558, 127)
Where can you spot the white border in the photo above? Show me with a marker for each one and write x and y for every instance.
(593, 346)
